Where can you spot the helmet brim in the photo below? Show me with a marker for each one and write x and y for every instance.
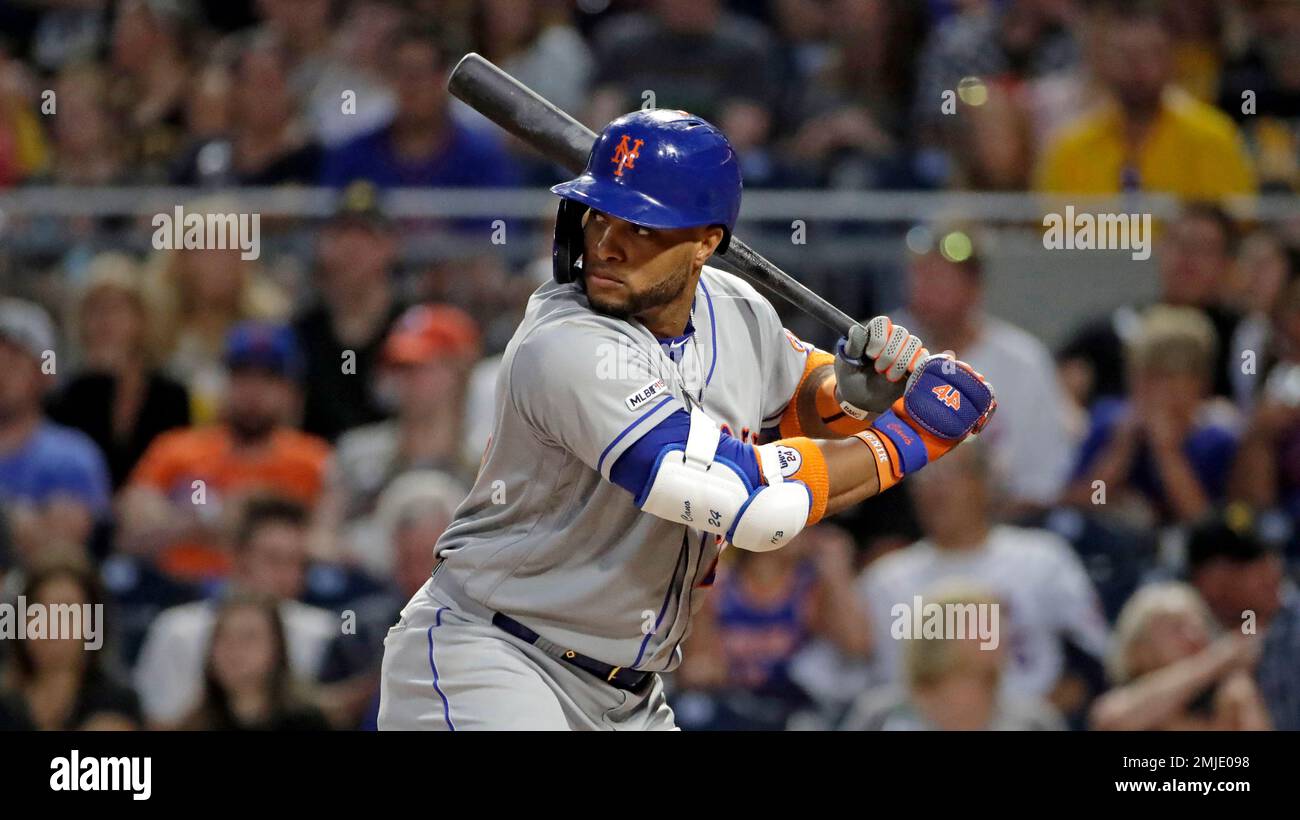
(626, 204)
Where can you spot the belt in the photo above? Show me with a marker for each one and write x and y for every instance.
(629, 680)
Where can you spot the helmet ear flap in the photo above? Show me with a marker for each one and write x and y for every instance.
(726, 241)
(566, 254)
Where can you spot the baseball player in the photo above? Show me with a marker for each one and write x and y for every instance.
(651, 411)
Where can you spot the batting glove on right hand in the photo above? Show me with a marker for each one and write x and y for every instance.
(872, 365)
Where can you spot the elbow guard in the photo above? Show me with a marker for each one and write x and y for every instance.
(693, 486)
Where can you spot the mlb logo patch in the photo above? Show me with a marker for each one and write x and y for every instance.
(641, 397)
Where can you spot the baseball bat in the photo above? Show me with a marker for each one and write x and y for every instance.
(565, 141)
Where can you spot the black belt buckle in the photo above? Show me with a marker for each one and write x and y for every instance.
(629, 680)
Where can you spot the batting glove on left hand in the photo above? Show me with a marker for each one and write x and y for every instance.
(872, 365)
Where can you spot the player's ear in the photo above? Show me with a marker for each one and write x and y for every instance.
(708, 244)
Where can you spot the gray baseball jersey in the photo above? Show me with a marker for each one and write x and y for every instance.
(544, 536)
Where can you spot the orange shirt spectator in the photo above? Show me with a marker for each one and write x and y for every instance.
(177, 494)
(290, 462)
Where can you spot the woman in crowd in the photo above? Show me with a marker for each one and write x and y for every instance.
(118, 397)
(64, 683)
(247, 683)
(1171, 674)
(197, 296)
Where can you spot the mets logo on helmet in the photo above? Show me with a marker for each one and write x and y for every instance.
(626, 157)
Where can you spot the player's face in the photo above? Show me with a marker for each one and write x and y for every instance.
(630, 270)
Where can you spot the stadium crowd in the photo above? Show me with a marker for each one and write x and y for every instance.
(248, 463)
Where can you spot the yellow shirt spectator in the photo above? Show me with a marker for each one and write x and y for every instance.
(1192, 150)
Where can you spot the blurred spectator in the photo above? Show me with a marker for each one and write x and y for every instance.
(1148, 135)
(692, 54)
(1266, 474)
(989, 52)
(1242, 582)
(53, 479)
(23, 150)
(87, 145)
(1264, 270)
(355, 66)
(852, 114)
(61, 683)
(1196, 34)
(248, 682)
(1261, 90)
(951, 683)
(209, 104)
(267, 143)
(175, 498)
(151, 68)
(195, 297)
(413, 511)
(538, 45)
(63, 32)
(305, 28)
(1164, 452)
(423, 146)
(765, 607)
(1195, 258)
(1045, 596)
(118, 398)
(1169, 672)
(270, 560)
(342, 333)
(1032, 436)
(427, 356)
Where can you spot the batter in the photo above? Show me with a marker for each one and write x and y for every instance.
(651, 412)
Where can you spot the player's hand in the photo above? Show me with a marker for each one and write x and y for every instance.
(872, 365)
(945, 400)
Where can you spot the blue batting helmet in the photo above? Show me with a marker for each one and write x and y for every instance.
(657, 169)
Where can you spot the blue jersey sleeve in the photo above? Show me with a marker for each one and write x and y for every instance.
(634, 470)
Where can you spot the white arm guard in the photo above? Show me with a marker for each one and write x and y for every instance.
(689, 486)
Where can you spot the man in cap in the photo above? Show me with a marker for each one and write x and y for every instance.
(341, 335)
(176, 494)
(1242, 579)
(53, 479)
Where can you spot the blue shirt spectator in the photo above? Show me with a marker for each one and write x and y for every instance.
(54, 481)
(1209, 447)
(468, 158)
